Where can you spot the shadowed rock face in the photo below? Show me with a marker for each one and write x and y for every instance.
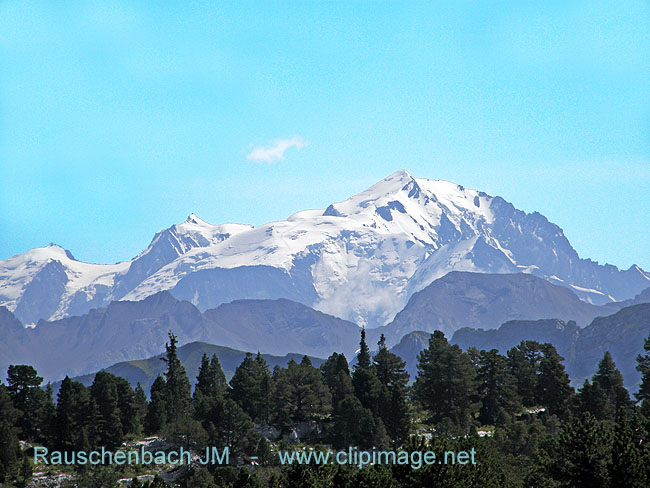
(131, 330)
(480, 300)
(43, 294)
(622, 334)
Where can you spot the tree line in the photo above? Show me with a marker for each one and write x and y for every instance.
(519, 411)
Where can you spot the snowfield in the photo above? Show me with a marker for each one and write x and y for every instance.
(360, 259)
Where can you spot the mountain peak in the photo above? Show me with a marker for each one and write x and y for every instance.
(194, 219)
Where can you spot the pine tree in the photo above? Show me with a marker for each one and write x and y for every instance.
(367, 387)
(209, 391)
(497, 388)
(126, 404)
(108, 426)
(23, 385)
(178, 390)
(583, 454)
(446, 382)
(355, 425)
(553, 386)
(591, 398)
(630, 456)
(523, 362)
(336, 375)
(156, 416)
(643, 367)
(9, 447)
(205, 383)
(140, 404)
(610, 379)
(300, 394)
(250, 387)
(74, 414)
(393, 406)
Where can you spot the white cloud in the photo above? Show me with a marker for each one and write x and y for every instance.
(274, 152)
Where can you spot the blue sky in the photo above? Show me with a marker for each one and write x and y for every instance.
(118, 119)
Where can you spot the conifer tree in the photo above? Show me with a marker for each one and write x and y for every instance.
(9, 448)
(211, 381)
(610, 380)
(497, 388)
(630, 456)
(583, 454)
(126, 404)
(591, 398)
(250, 387)
(393, 407)
(156, 416)
(553, 386)
(367, 387)
(523, 362)
(300, 393)
(140, 404)
(355, 425)
(23, 386)
(209, 390)
(336, 375)
(643, 367)
(107, 424)
(446, 382)
(74, 413)
(177, 385)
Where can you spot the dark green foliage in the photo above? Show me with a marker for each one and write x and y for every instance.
(246, 479)
(211, 380)
(9, 449)
(610, 380)
(156, 416)
(355, 425)
(23, 386)
(446, 382)
(199, 478)
(643, 366)
(336, 376)
(553, 386)
(107, 423)
(630, 453)
(300, 394)
(177, 385)
(126, 404)
(523, 362)
(74, 414)
(497, 388)
(250, 387)
(591, 398)
(140, 405)
(582, 455)
(393, 406)
(367, 387)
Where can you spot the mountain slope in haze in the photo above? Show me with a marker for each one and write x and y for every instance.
(622, 334)
(481, 300)
(145, 371)
(360, 259)
(128, 330)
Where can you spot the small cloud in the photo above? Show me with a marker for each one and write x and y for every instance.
(274, 152)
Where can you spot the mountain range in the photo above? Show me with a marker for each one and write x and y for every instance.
(622, 334)
(361, 259)
(126, 330)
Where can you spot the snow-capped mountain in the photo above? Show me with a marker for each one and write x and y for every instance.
(360, 259)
